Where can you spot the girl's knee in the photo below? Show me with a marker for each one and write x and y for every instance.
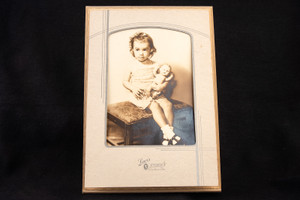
(154, 106)
(167, 105)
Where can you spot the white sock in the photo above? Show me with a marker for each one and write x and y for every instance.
(164, 130)
(167, 132)
(165, 127)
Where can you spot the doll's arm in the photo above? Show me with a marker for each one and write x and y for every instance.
(169, 77)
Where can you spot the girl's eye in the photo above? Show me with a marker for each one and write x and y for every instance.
(137, 49)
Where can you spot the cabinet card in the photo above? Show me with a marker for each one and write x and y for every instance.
(150, 107)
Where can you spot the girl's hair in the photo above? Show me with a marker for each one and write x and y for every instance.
(141, 36)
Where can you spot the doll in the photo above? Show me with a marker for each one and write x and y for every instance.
(162, 75)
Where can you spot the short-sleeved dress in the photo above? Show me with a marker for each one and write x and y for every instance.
(142, 77)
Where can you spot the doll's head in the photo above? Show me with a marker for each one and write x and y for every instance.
(141, 46)
(164, 70)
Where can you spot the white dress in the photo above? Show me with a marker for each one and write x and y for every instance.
(142, 77)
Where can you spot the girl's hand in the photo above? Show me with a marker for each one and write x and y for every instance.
(138, 92)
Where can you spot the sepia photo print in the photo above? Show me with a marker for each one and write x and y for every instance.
(150, 88)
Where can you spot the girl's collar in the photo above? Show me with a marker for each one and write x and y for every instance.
(148, 62)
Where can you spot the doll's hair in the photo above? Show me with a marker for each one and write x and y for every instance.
(143, 37)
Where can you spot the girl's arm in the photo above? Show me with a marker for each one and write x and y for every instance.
(138, 93)
(155, 70)
(160, 87)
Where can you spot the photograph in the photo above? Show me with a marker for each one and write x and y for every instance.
(150, 100)
(150, 88)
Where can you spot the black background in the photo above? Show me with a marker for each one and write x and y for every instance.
(42, 87)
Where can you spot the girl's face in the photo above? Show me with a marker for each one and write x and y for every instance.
(141, 50)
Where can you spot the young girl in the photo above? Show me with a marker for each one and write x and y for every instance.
(138, 80)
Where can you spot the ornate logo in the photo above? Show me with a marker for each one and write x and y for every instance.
(148, 165)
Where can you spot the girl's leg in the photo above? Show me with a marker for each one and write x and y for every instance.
(158, 114)
(167, 107)
(160, 119)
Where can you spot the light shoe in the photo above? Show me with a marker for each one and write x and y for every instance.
(175, 139)
(165, 142)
